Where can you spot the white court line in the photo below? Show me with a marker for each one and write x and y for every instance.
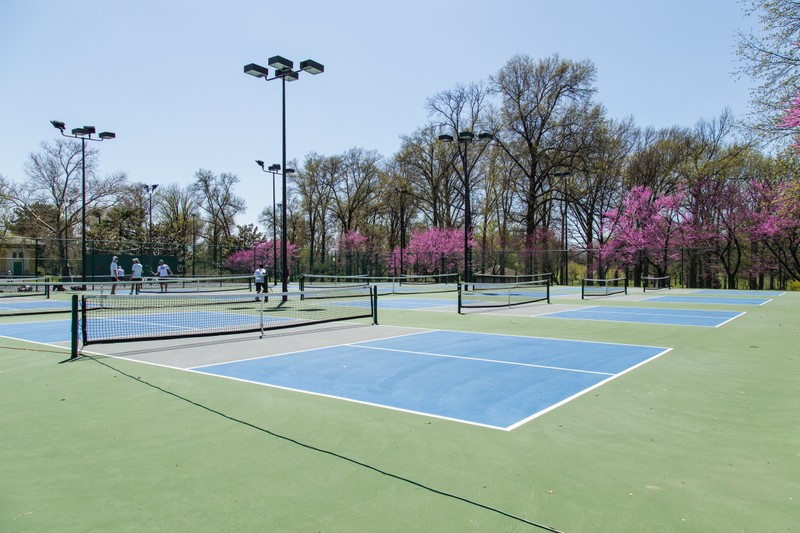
(513, 363)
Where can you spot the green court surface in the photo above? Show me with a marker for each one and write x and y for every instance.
(703, 438)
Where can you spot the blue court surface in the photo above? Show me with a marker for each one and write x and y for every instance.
(403, 303)
(736, 292)
(33, 304)
(642, 315)
(708, 300)
(48, 331)
(497, 381)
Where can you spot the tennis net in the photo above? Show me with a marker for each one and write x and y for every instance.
(510, 278)
(20, 288)
(651, 283)
(408, 284)
(177, 285)
(122, 318)
(486, 295)
(603, 287)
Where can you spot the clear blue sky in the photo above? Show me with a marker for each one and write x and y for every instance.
(166, 75)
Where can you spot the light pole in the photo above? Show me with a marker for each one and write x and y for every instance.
(274, 169)
(402, 193)
(465, 138)
(84, 134)
(194, 241)
(284, 71)
(564, 207)
(150, 189)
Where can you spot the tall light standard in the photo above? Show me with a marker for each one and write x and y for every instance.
(150, 189)
(194, 241)
(564, 208)
(274, 169)
(402, 193)
(465, 138)
(284, 71)
(84, 134)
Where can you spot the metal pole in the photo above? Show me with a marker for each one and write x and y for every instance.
(565, 271)
(150, 230)
(274, 237)
(83, 212)
(467, 222)
(284, 249)
(402, 229)
(194, 243)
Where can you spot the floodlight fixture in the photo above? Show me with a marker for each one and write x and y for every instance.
(57, 124)
(312, 67)
(107, 135)
(260, 163)
(280, 63)
(256, 70)
(274, 168)
(288, 75)
(446, 138)
(465, 136)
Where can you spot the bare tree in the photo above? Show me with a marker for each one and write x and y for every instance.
(355, 188)
(427, 164)
(215, 197)
(315, 185)
(543, 103)
(52, 194)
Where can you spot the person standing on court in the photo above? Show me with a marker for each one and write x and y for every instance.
(114, 274)
(163, 273)
(261, 278)
(136, 276)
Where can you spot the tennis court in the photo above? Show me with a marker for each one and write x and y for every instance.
(497, 381)
(738, 293)
(490, 420)
(648, 315)
(33, 305)
(719, 300)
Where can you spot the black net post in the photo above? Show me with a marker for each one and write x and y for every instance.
(459, 297)
(374, 290)
(74, 328)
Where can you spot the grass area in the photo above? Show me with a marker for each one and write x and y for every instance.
(704, 438)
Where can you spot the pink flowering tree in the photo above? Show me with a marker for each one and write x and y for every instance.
(352, 241)
(791, 121)
(436, 250)
(646, 230)
(776, 222)
(353, 247)
(245, 261)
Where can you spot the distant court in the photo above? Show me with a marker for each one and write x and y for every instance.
(649, 315)
(720, 300)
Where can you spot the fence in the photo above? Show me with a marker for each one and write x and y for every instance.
(25, 257)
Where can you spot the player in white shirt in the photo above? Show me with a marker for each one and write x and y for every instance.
(114, 274)
(164, 272)
(136, 276)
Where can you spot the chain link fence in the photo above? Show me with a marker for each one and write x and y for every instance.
(59, 258)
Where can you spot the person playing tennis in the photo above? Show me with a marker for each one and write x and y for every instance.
(114, 267)
(164, 272)
(136, 276)
(261, 279)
